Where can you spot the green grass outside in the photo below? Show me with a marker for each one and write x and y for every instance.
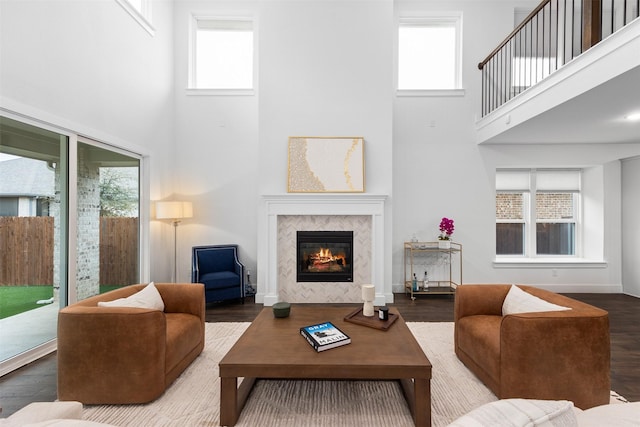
(18, 299)
(107, 288)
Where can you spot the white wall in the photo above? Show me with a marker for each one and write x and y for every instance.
(630, 227)
(89, 67)
(439, 170)
(325, 68)
(217, 157)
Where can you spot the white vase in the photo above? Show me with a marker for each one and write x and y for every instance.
(444, 244)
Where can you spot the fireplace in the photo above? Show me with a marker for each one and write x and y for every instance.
(324, 256)
(282, 215)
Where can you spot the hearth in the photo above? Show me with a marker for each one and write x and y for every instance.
(324, 256)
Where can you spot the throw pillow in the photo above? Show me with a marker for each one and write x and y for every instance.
(618, 414)
(519, 301)
(148, 297)
(520, 413)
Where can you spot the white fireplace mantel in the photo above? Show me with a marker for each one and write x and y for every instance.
(272, 206)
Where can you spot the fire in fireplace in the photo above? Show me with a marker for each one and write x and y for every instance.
(325, 256)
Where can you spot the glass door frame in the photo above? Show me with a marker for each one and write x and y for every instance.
(69, 228)
(65, 264)
(143, 211)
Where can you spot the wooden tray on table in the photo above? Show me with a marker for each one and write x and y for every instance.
(373, 322)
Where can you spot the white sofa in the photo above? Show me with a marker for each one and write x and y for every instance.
(619, 415)
(549, 413)
(49, 414)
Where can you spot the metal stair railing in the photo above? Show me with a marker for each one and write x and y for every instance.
(554, 33)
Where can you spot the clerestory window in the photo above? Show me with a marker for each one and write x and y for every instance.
(222, 55)
(429, 53)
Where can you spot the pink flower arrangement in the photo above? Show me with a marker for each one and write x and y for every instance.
(446, 229)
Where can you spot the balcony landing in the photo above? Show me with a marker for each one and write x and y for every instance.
(583, 102)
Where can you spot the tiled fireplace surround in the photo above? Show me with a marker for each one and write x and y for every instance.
(282, 215)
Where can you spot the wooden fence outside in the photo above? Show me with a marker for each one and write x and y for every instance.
(27, 248)
(118, 251)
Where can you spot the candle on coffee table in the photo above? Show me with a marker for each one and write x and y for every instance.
(368, 295)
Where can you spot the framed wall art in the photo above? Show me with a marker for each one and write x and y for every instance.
(326, 164)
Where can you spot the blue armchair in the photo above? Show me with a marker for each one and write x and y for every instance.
(218, 268)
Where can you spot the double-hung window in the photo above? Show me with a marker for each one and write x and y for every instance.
(222, 54)
(429, 53)
(537, 212)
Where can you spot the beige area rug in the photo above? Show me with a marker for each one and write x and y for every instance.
(193, 399)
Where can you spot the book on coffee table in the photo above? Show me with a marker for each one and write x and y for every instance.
(323, 336)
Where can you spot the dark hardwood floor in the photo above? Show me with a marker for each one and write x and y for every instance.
(37, 381)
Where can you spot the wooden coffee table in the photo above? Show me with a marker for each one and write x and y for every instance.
(273, 348)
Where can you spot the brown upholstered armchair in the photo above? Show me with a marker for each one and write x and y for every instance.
(545, 355)
(115, 355)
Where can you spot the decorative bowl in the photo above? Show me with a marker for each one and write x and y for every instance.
(281, 309)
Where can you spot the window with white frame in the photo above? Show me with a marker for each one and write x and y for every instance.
(222, 54)
(137, 4)
(429, 52)
(537, 212)
(140, 10)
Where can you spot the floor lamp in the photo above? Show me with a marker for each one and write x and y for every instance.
(175, 211)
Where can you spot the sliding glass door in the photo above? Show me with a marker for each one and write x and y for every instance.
(69, 229)
(33, 239)
(108, 223)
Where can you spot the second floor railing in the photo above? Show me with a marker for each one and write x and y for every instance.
(554, 33)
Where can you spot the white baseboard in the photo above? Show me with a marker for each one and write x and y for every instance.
(585, 288)
(28, 356)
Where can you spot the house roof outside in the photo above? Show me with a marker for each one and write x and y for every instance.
(24, 177)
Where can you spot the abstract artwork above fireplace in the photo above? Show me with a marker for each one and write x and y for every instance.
(321, 165)
(324, 256)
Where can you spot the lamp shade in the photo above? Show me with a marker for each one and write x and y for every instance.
(174, 210)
